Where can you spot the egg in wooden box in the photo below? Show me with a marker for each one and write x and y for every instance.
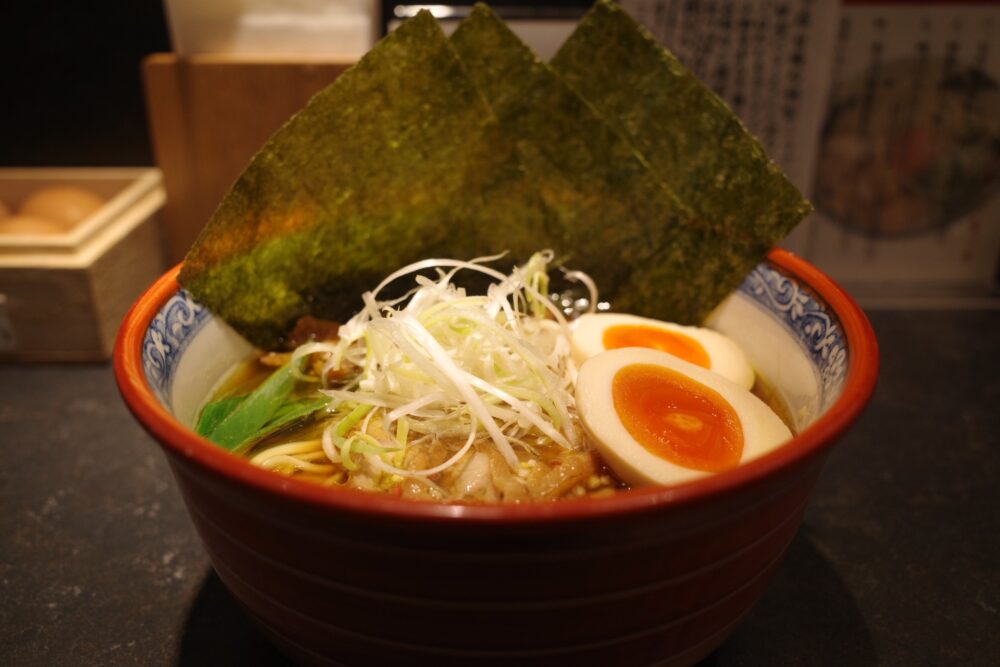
(76, 245)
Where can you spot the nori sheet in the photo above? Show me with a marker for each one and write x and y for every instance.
(686, 133)
(617, 221)
(373, 173)
(459, 148)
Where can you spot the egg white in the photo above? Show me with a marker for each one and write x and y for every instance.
(725, 357)
(762, 429)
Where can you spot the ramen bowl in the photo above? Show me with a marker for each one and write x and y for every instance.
(658, 575)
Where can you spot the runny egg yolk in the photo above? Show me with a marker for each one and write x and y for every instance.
(637, 335)
(677, 418)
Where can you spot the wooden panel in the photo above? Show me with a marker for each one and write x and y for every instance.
(208, 116)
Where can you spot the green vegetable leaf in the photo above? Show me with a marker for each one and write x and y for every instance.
(291, 412)
(213, 413)
(267, 409)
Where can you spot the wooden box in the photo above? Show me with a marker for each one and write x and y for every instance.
(63, 296)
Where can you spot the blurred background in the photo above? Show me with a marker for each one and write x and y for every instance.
(71, 82)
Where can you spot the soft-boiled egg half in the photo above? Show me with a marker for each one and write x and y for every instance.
(594, 333)
(657, 419)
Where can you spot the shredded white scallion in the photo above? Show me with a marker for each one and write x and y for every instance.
(439, 362)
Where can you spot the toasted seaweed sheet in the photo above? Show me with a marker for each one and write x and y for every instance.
(687, 135)
(473, 146)
(614, 218)
(365, 177)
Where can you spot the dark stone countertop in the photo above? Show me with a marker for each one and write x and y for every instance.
(896, 563)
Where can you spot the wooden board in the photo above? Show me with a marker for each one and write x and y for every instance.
(208, 116)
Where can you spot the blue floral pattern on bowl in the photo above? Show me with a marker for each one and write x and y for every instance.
(169, 334)
(817, 330)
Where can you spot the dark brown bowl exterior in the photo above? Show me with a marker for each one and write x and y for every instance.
(667, 583)
(652, 576)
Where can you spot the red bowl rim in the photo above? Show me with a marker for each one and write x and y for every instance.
(183, 443)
